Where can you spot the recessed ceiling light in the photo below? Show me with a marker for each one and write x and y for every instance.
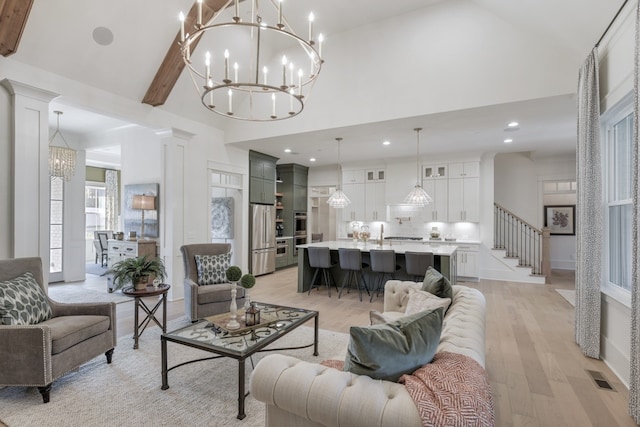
(287, 150)
(513, 124)
(386, 143)
(103, 36)
(508, 141)
(313, 159)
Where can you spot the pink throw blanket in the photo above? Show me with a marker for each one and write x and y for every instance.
(453, 390)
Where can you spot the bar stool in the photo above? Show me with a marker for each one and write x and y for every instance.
(320, 259)
(417, 263)
(383, 262)
(351, 262)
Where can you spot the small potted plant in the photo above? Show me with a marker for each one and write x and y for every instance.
(137, 271)
(247, 282)
(234, 274)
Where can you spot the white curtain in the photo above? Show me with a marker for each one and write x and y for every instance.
(112, 196)
(589, 220)
(634, 380)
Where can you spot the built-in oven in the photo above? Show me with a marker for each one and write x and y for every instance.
(281, 248)
(300, 230)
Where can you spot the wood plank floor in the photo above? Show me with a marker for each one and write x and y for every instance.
(537, 372)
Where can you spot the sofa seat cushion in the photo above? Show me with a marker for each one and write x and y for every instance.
(67, 331)
(217, 293)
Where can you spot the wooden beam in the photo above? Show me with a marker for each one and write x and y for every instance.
(173, 64)
(13, 18)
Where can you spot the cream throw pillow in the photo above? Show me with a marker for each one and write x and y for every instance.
(422, 300)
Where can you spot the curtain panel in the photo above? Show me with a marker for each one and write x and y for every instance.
(634, 377)
(112, 196)
(589, 218)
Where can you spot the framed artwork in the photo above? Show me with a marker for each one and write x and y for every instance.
(222, 217)
(560, 220)
(133, 216)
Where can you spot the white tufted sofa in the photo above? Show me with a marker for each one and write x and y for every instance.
(298, 393)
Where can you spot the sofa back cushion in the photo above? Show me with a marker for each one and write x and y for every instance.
(387, 351)
(23, 302)
(212, 268)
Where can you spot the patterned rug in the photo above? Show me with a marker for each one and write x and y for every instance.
(128, 393)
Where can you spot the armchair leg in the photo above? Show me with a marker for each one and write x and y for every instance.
(44, 391)
(109, 355)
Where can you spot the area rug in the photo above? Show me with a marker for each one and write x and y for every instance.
(95, 269)
(127, 392)
(86, 292)
(569, 295)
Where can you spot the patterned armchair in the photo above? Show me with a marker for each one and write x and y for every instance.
(43, 341)
(202, 300)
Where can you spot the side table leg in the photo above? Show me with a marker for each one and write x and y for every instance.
(165, 371)
(315, 335)
(241, 396)
(135, 321)
(164, 312)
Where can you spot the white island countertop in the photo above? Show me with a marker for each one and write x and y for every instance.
(438, 249)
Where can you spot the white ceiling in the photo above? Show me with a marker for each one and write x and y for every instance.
(58, 38)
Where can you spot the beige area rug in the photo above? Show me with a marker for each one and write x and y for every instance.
(569, 295)
(127, 392)
(90, 291)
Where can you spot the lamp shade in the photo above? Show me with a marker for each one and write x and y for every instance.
(145, 203)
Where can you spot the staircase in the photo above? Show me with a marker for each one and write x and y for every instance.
(521, 246)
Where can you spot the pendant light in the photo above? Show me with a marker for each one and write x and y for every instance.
(417, 196)
(62, 160)
(338, 199)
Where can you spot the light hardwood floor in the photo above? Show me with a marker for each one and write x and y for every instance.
(537, 372)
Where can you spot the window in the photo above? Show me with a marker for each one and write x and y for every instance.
(618, 204)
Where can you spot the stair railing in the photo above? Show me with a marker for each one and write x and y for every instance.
(521, 240)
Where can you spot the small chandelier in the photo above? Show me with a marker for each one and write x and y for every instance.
(62, 160)
(338, 199)
(417, 196)
(257, 70)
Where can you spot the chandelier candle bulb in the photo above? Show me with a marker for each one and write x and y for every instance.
(237, 11)
(199, 13)
(207, 63)
(226, 66)
(230, 102)
(320, 40)
(273, 106)
(280, 25)
(292, 94)
(284, 71)
(311, 18)
(211, 105)
(300, 81)
(235, 72)
(291, 73)
(181, 18)
(265, 71)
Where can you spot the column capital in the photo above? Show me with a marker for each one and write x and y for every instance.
(17, 88)
(174, 133)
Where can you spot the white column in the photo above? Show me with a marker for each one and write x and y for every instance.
(172, 204)
(30, 136)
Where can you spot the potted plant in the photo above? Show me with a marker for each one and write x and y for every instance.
(137, 271)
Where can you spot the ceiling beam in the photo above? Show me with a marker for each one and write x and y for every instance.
(173, 64)
(13, 18)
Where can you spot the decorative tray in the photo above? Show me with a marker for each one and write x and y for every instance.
(220, 321)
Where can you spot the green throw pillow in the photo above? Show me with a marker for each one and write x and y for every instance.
(387, 351)
(212, 269)
(23, 302)
(437, 284)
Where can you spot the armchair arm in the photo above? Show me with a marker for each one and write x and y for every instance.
(25, 355)
(326, 396)
(190, 299)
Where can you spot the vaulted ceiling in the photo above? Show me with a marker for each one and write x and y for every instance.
(459, 68)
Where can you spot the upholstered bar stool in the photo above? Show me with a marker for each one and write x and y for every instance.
(383, 262)
(351, 262)
(417, 263)
(320, 259)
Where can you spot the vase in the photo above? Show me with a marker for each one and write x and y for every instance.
(233, 309)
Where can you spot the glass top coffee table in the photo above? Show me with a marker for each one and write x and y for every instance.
(214, 338)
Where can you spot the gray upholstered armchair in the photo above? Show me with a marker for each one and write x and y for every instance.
(205, 300)
(37, 354)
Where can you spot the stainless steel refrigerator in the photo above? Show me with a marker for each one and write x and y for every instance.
(263, 239)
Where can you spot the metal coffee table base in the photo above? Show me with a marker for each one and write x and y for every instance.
(242, 394)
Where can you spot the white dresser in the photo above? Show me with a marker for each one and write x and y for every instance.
(122, 249)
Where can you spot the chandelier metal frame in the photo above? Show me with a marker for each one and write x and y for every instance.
(62, 160)
(418, 196)
(212, 89)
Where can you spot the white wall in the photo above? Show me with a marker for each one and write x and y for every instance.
(516, 185)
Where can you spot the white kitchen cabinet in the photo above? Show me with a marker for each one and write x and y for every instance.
(375, 175)
(435, 171)
(374, 200)
(464, 170)
(468, 261)
(464, 200)
(356, 210)
(353, 176)
(437, 210)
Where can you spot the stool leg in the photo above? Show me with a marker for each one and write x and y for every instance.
(344, 281)
(313, 281)
(325, 275)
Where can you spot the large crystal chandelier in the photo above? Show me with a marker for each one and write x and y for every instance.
(255, 69)
(62, 160)
(417, 196)
(338, 199)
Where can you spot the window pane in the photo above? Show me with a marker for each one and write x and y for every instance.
(620, 245)
(56, 212)
(55, 258)
(621, 159)
(56, 237)
(57, 187)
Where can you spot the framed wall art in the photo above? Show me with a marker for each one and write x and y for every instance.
(560, 220)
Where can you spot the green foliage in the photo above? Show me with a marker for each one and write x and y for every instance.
(130, 270)
(234, 273)
(248, 281)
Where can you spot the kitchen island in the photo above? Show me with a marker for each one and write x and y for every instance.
(444, 257)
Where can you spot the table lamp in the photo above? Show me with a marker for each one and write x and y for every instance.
(143, 203)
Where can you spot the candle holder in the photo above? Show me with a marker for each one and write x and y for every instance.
(233, 309)
(252, 315)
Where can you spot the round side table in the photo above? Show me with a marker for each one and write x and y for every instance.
(149, 291)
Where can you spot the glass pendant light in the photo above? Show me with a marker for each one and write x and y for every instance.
(417, 196)
(338, 199)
